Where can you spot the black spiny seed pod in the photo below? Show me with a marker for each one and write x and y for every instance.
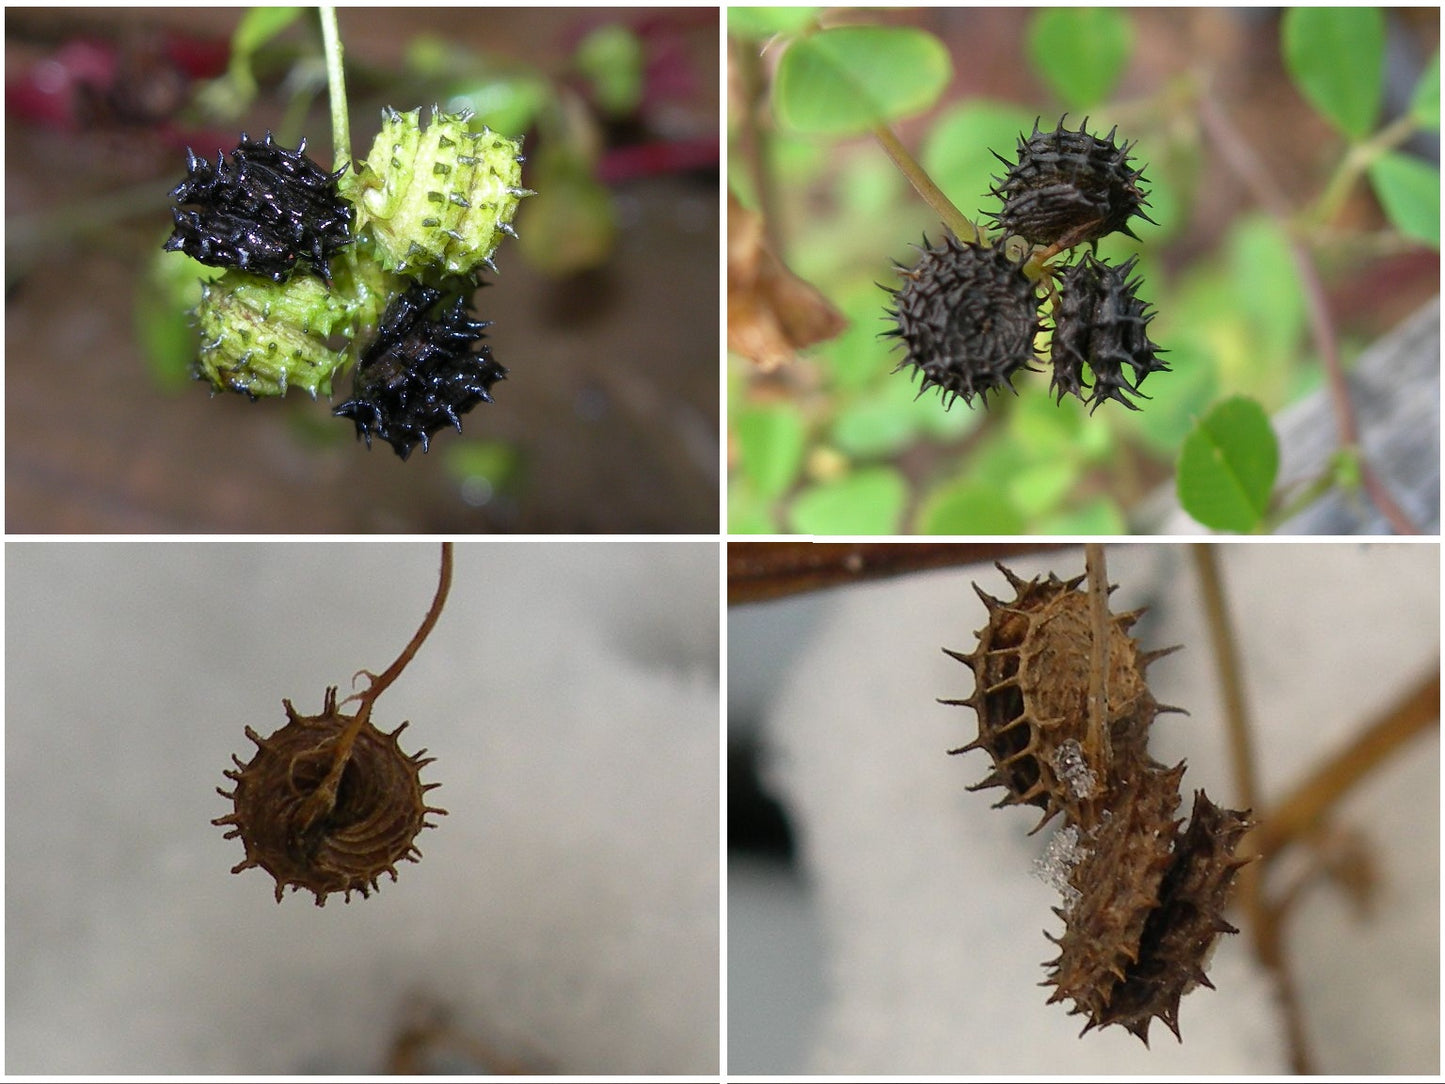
(261, 210)
(1100, 322)
(1068, 188)
(967, 316)
(420, 374)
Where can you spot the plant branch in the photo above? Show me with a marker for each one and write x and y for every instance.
(758, 571)
(1240, 158)
(1303, 810)
(336, 87)
(323, 798)
(392, 672)
(1264, 915)
(1231, 681)
(753, 140)
(962, 227)
(1356, 161)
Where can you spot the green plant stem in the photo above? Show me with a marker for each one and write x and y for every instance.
(1305, 497)
(754, 141)
(963, 227)
(336, 84)
(1360, 157)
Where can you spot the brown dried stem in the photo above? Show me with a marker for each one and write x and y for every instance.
(1264, 916)
(1300, 814)
(1099, 626)
(758, 571)
(323, 799)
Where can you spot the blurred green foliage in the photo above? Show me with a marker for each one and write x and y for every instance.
(851, 78)
(1080, 52)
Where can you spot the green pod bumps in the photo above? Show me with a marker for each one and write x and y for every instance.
(260, 337)
(436, 201)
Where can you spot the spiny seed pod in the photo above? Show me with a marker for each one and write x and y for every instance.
(1069, 187)
(1181, 932)
(1118, 889)
(261, 210)
(439, 201)
(967, 316)
(321, 811)
(1143, 902)
(1101, 323)
(420, 374)
(260, 337)
(1031, 684)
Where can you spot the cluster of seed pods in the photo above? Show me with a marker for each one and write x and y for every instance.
(1144, 893)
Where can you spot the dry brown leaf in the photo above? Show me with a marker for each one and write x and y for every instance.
(772, 314)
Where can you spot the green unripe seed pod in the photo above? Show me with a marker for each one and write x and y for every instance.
(438, 200)
(260, 337)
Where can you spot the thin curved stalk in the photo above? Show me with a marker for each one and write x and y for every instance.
(323, 799)
(1098, 574)
(962, 226)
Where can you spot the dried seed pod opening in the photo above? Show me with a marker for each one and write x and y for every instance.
(324, 834)
(1031, 682)
(329, 802)
(1118, 883)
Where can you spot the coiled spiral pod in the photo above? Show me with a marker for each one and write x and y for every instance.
(420, 374)
(1069, 187)
(967, 317)
(1100, 322)
(261, 210)
(329, 803)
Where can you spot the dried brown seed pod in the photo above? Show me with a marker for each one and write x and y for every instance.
(1031, 684)
(327, 835)
(329, 802)
(1101, 323)
(967, 317)
(1143, 902)
(1118, 882)
(1069, 187)
(1179, 937)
